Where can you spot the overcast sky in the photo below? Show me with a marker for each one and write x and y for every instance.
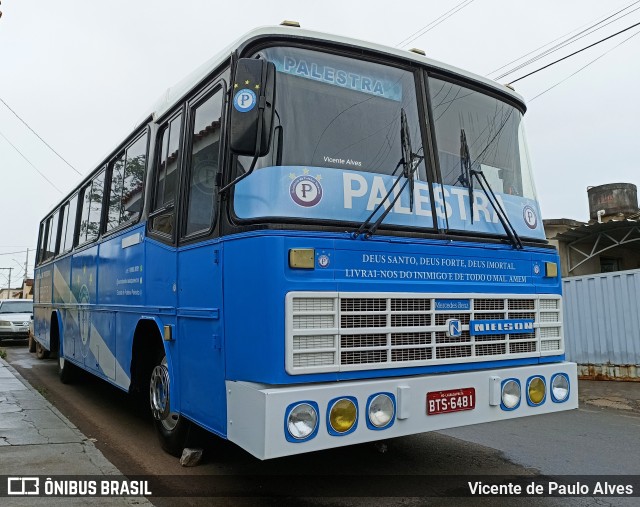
(82, 73)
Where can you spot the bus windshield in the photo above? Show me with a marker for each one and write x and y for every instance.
(337, 149)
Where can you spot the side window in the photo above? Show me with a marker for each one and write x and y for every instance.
(52, 236)
(134, 170)
(203, 167)
(95, 211)
(69, 228)
(167, 177)
(84, 214)
(43, 240)
(92, 209)
(127, 180)
(115, 194)
(64, 218)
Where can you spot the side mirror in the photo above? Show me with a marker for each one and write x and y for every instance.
(252, 107)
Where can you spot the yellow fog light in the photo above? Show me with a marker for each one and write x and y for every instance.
(536, 391)
(343, 416)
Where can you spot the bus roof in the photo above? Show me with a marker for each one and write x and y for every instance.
(182, 88)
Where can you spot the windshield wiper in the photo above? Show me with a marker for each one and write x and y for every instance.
(488, 191)
(465, 169)
(409, 163)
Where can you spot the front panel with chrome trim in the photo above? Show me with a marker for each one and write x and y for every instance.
(340, 331)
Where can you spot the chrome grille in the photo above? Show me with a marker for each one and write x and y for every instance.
(410, 305)
(410, 339)
(441, 337)
(488, 316)
(522, 304)
(360, 341)
(453, 352)
(491, 349)
(410, 320)
(351, 321)
(348, 331)
(404, 355)
(488, 304)
(363, 305)
(442, 318)
(363, 356)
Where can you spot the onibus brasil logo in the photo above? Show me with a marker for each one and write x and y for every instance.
(305, 190)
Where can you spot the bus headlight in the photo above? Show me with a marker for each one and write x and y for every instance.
(380, 410)
(559, 387)
(302, 421)
(343, 416)
(510, 394)
(536, 390)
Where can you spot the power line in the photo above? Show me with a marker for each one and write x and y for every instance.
(569, 41)
(584, 67)
(431, 25)
(575, 53)
(36, 134)
(37, 170)
(589, 25)
(12, 253)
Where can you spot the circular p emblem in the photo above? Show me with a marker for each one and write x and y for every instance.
(306, 191)
(244, 100)
(530, 217)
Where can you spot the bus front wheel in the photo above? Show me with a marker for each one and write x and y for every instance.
(66, 370)
(171, 427)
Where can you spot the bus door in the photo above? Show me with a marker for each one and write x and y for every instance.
(199, 309)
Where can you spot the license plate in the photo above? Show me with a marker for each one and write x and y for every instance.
(455, 400)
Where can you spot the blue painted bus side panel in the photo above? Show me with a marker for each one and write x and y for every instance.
(200, 365)
(257, 278)
(160, 276)
(44, 295)
(122, 269)
(84, 286)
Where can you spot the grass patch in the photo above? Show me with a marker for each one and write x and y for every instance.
(3, 354)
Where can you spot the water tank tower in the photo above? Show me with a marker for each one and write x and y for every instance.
(612, 199)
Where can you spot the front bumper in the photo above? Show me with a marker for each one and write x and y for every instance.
(14, 332)
(256, 412)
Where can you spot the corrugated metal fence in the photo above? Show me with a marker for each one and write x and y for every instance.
(602, 324)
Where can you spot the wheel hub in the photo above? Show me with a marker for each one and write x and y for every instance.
(159, 397)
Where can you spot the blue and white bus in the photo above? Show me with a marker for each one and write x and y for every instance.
(312, 242)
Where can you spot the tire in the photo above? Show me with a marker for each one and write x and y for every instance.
(172, 428)
(67, 371)
(41, 352)
(32, 343)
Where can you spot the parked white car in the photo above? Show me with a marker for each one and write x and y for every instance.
(15, 317)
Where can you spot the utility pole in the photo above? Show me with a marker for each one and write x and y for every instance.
(26, 275)
(9, 291)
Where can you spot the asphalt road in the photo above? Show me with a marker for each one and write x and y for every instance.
(586, 441)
